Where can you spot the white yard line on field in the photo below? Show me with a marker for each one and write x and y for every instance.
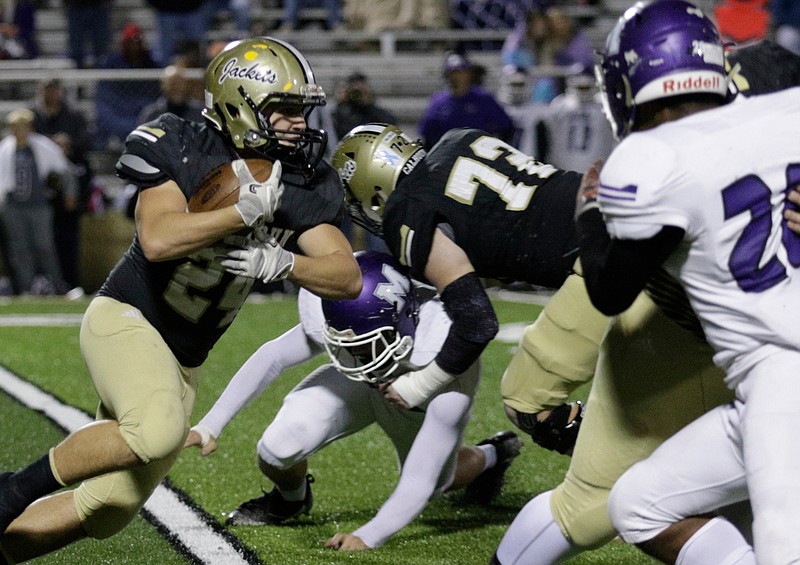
(38, 320)
(197, 536)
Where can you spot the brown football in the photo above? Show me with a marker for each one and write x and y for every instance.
(220, 187)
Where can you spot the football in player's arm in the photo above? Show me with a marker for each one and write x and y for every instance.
(180, 285)
(368, 341)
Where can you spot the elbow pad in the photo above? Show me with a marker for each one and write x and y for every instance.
(474, 323)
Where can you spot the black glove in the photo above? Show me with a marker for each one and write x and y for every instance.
(556, 432)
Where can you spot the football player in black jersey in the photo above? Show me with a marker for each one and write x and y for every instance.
(472, 207)
(179, 287)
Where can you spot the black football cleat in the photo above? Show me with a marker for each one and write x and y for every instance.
(271, 508)
(486, 486)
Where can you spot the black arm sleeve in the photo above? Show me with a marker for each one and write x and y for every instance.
(474, 323)
(616, 270)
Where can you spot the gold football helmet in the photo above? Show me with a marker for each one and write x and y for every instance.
(370, 160)
(251, 78)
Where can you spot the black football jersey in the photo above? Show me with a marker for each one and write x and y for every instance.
(764, 67)
(512, 215)
(192, 300)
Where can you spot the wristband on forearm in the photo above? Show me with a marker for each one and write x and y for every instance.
(204, 433)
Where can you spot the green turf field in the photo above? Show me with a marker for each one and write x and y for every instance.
(353, 476)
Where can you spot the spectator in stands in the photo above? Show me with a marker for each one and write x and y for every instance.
(55, 115)
(30, 165)
(238, 11)
(118, 103)
(195, 56)
(88, 22)
(573, 48)
(355, 105)
(530, 44)
(528, 116)
(67, 213)
(175, 98)
(742, 21)
(463, 104)
(291, 13)
(786, 20)
(18, 30)
(547, 38)
(375, 16)
(178, 21)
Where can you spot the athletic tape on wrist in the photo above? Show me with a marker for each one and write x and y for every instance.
(418, 386)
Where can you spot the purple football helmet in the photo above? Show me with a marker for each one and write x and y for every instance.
(367, 338)
(656, 50)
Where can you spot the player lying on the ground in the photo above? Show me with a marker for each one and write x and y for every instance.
(368, 340)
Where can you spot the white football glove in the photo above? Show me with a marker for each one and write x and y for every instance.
(267, 261)
(257, 200)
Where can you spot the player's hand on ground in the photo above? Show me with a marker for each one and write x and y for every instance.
(792, 212)
(391, 395)
(588, 189)
(201, 437)
(258, 201)
(346, 542)
(267, 261)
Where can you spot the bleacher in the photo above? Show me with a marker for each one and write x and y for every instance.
(404, 69)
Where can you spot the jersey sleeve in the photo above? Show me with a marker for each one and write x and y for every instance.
(152, 151)
(640, 188)
(257, 373)
(309, 307)
(408, 231)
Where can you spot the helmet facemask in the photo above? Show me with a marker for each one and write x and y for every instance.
(373, 357)
(371, 337)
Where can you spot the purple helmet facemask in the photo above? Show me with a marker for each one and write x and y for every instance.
(656, 50)
(367, 338)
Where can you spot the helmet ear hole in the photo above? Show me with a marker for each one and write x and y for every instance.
(375, 201)
(233, 110)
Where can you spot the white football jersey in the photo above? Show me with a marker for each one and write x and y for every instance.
(578, 133)
(526, 119)
(432, 328)
(722, 176)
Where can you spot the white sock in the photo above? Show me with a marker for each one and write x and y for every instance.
(490, 453)
(534, 537)
(717, 542)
